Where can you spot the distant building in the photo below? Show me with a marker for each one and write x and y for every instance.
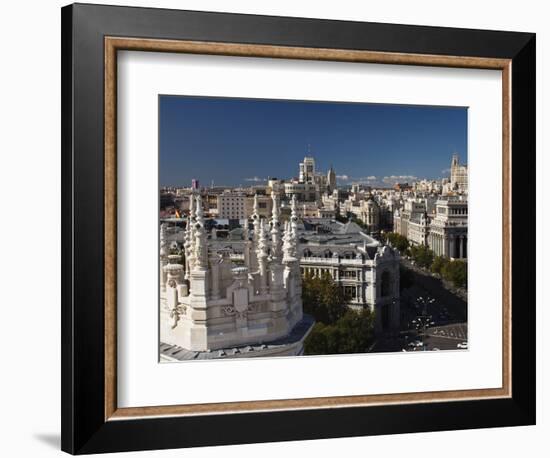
(402, 187)
(331, 180)
(411, 211)
(418, 229)
(195, 185)
(265, 205)
(459, 175)
(365, 208)
(232, 205)
(448, 231)
(304, 192)
(307, 170)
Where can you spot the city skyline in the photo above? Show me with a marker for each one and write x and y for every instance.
(249, 140)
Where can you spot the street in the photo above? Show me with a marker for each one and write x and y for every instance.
(432, 319)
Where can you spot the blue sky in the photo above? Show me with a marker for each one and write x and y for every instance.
(243, 141)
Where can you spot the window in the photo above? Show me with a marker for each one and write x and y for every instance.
(350, 291)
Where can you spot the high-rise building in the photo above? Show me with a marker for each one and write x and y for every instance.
(459, 175)
(331, 180)
(307, 170)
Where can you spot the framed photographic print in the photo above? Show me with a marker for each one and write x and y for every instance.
(282, 228)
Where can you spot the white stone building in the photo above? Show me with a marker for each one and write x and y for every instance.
(412, 210)
(367, 271)
(448, 231)
(211, 307)
(304, 192)
(365, 208)
(232, 205)
(418, 229)
(459, 175)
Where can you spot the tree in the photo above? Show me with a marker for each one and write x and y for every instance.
(341, 218)
(356, 330)
(398, 241)
(323, 298)
(456, 272)
(316, 342)
(438, 264)
(352, 333)
(422, 255)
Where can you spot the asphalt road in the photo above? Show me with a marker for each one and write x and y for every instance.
(429, 301)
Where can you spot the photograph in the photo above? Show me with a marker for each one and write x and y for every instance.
(267, 235)
(300, 228)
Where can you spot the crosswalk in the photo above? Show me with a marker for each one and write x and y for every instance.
(452, 331)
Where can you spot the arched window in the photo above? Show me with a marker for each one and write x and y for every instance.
(386, 284)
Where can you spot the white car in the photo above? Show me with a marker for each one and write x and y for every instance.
(462, 345)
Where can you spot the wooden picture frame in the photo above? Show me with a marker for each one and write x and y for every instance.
(91, 419)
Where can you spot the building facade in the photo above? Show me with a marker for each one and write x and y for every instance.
(448, 231)
(459, 175)
(367, 271)
(408, 220)
(232, 205)
(213, 308)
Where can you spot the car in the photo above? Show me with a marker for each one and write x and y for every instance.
(435, 349)
(462, 345)
(418, 343)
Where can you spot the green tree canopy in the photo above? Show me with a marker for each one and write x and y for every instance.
(438, 264)
(397, 241)
(422, 255)
(323, 298)
(352, 333)
(456, 272)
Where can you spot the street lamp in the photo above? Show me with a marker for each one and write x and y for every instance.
(424, 321)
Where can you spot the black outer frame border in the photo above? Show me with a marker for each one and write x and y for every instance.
(84, 429)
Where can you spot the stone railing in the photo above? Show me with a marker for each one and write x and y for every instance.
(331, 261)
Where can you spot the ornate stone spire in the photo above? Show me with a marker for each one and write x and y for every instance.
(256, 235)
(275, 229)
(192, 205)
(294, 217)
(201, 248)
(189, 239)
(256, 208)
(287, 243)
(163, 255)
(163, 243)
(246, 239)
(246, 234)
(261, 254)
